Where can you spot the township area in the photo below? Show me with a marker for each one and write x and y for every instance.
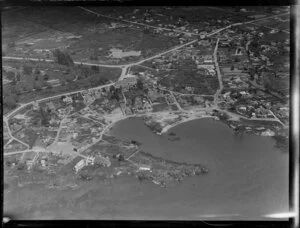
(69, 76)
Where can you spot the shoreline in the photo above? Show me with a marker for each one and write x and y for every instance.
(168, 127)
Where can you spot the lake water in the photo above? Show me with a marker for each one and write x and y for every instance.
(247, 178)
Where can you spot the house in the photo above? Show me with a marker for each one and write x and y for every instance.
(80, 165)
(35, 106)
(227, 94)
(29, 164)
(50, 105)
(208, 59)
(103, 160)
(90, 160)
(244, 93)
(75, 134)
(68, 100)
(224, 43)
(43, 162)
(53, 82)
(147, 106)
(144, 168)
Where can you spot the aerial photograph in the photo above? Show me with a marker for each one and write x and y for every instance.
(145, 112)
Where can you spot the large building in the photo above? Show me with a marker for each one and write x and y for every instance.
(126, 82)
(80, 165)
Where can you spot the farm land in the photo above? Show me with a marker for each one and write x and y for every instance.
(194, 20)
(86, 37)
(36, 80)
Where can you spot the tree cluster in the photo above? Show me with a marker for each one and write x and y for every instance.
(63, 58)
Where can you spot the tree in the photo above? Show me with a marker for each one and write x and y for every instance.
(85, 71)
(10, 101)
(69, 77)
(14, 82)
(112, 89)
(63, 58)
(37, 72)
(94, 56)
(95, 69)
(18, 77)
(11, 44)
(46, 77)
(146, 31)
(62, 81)
(85, 83)
(139, 84)
(27, 69)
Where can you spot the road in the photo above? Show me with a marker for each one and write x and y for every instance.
(11, 136)
(91, 119)
(176, 102)
(123, 73)
(101, 134)
(55, 96)
(184, 94)
(222, 29)
(278, 119)
(261, 19)
(134, 63)
(268, 27)
(175, 30)
(107, 65)
(58, 132)
(138, 23)
(26, 151)
(131, 155)
(218, 92)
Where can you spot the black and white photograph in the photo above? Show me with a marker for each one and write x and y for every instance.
(137, 112)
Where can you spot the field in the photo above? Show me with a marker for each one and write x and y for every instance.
(36, 31)
(14, 146)
(34, 83)
(96, 47)
(188, 80)
(169, 15)
(277, 84)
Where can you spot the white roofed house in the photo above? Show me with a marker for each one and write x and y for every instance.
(68, 99)
(144, 168)
(208, 59)
(90, 160)
(53, 82)
(80, 165)
(50, 105)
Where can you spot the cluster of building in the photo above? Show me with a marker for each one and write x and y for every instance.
(104, 161)
(126, 83)
(192, 100)
(247, 105)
